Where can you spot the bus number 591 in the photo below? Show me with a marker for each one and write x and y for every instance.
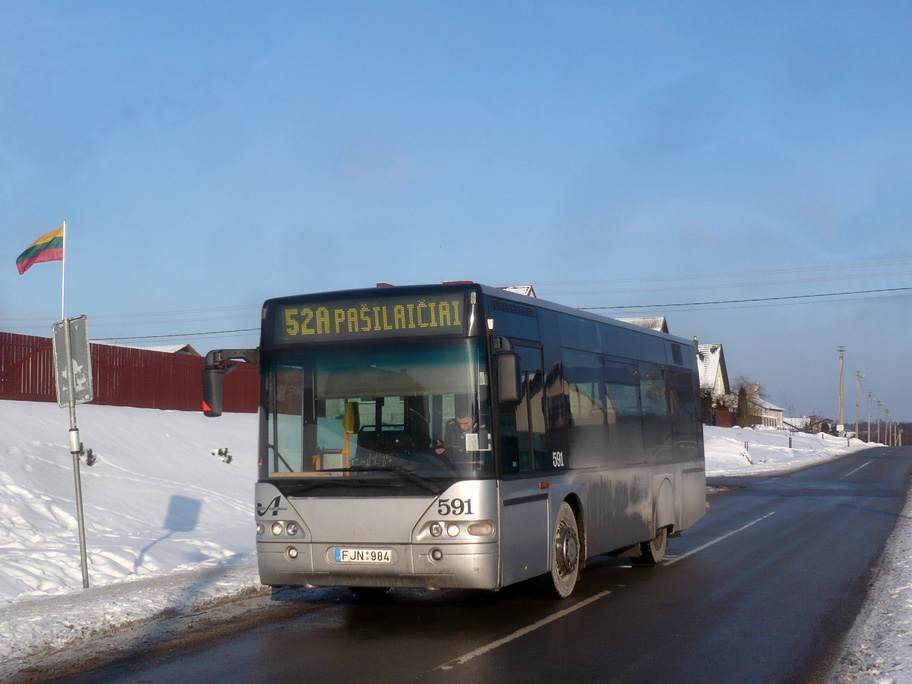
(454, 507)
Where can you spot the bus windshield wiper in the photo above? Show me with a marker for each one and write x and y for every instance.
(405, 472)
(296, 488)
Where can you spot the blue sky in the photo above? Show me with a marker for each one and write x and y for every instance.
(209, 155)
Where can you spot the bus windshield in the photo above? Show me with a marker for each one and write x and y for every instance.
(395, 412)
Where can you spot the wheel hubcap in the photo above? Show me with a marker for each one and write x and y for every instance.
(566, 550)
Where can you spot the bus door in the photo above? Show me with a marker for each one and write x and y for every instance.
(524, 526)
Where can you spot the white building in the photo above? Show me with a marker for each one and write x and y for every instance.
(769, 414)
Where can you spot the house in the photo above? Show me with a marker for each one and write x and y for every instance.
(164, 349)
(799, 423)
(173, 349)
(818, 425)
(713, 373)
(768, 414)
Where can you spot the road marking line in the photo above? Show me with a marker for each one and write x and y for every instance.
(857, 469)
(716, 541)
(462, 660)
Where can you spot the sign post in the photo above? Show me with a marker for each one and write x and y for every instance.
(73, 375)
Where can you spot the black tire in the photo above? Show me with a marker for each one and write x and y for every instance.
(653, 550)
(565, 554)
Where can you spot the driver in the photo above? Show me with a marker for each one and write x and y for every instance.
(454, 436)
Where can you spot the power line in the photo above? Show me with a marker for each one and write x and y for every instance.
(737, 285)
(747, 301)
(879, 265)
(176, 335)
(253, 309)
(754, 302)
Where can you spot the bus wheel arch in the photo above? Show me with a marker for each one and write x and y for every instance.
(663, 520)
(664, 514)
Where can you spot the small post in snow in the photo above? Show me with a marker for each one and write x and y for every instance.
(78, 390)
(73, 375)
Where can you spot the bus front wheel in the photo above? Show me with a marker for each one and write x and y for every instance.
(565, 555)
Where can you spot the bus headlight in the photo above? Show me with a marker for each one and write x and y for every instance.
(261, 529)
(277, 528)
(436, 529)
(291, 552)
(436, 555)
(291, 529)
(453, 530)
(481, 529)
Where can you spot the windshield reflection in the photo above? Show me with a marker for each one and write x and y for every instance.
(411, 413)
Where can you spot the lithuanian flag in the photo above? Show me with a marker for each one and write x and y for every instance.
(46, 248)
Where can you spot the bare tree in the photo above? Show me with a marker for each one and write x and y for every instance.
(789, 406)
(752, 389)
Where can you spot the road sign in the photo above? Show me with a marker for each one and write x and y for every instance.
(71, 351)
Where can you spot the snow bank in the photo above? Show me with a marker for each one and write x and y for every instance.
(169, 523)
(878, 650)
(761, 450)
(157, 499)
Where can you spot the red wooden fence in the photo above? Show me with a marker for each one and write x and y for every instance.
(122, 376)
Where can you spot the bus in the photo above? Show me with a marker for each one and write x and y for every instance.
(463, 436)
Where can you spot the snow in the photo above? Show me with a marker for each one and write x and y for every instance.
(170, 528)
(167, 521)
(759, 451)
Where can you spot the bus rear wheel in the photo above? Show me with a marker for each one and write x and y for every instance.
(654, 550)
(565, 556)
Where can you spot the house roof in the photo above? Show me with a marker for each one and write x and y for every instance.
(710, 360)
(763, 403)
(526, 290)
(166, 349)
(657, 323)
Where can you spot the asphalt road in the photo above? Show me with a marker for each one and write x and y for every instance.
(763, 589)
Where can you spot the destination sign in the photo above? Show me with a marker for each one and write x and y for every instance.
(411, 316)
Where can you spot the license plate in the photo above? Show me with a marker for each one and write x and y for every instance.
(364, 556)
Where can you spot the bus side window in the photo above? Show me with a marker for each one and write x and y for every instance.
(656, 416)
(589, 431)
(682, 399)
(624, 423)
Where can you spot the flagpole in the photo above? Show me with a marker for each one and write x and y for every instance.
(63, 279)
(75, 444)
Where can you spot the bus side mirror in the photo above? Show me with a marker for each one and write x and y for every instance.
(213, 390)
(508, 384)
(217, 364)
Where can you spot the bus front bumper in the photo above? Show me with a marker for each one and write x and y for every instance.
(443, 566)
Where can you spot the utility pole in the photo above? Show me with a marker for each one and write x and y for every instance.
(879, 404)
(888, 430)
(869, 417)
(858, 377)
(841, 426)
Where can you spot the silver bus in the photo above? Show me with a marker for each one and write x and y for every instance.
(462, 436)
